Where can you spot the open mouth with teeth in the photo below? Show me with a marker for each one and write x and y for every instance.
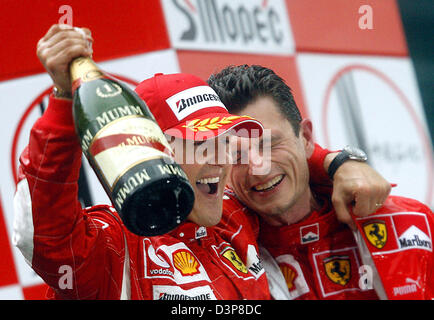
(268, 185)
(208, 185)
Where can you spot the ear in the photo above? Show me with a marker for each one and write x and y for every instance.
(307, 136)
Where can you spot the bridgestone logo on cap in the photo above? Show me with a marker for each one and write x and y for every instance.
(191, 100)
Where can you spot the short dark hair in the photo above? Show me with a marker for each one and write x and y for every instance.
(237, 86)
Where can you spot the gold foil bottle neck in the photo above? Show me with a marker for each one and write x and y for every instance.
(84, 69)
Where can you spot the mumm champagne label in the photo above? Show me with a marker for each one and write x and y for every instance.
(123, 138)
(104, 119)
(147, 171)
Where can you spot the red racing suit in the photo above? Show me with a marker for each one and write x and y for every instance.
(321, 258)
(89, 254)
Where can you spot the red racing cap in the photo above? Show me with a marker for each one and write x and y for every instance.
(186, 107)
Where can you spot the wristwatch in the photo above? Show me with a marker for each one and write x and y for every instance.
(347, 153)
(59, 93)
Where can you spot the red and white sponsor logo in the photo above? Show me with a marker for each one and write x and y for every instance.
(156, 265)
(200, 233)
(408, 230)
(254, 263)
(255, 26)
(410, 287)
(309, 233)
(174, 262)
(412, 231)
(293, 274)
(176, 293)
(191, 100)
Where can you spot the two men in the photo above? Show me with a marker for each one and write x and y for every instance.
(197, 260)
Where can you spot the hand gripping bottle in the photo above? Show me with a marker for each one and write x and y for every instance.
(128, 152)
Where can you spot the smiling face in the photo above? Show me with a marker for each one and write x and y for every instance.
(285, 187)
(207, 175)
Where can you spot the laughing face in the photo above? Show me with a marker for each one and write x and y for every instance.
(207, 175)
(284, 187)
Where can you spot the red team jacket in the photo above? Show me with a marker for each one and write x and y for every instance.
(321, 258)
(89, 254)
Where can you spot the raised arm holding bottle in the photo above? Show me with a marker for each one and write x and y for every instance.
(211, 255)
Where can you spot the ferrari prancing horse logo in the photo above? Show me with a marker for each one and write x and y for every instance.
(338, 269)
(376, 233)
(232, 256)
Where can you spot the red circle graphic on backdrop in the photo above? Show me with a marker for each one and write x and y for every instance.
(424, 139)
(29, 109)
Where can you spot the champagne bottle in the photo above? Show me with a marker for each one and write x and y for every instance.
(128, 152)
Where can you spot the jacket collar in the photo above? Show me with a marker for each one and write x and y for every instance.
(318, 225)
(190, 231)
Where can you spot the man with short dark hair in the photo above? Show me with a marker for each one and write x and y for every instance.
(318, 255)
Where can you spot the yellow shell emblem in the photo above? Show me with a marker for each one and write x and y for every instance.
(338, 269)
(185, 262)
(376, 233)
(233, 258)
(289, 273)
(209, 123)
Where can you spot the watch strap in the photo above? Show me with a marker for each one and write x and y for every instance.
(337, 162)
(59, 93)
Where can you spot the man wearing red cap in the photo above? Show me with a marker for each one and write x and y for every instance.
(197, 260)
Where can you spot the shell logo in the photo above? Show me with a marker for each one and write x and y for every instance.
(289, 273)
(185, 262)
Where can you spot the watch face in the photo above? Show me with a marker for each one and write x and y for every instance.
(356, 153)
